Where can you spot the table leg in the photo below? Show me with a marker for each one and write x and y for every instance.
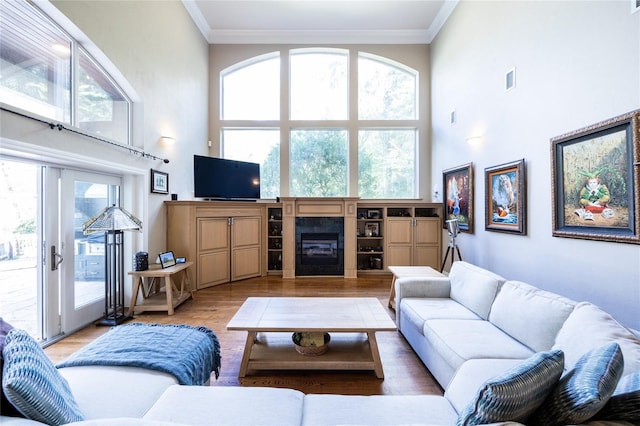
(392, 293)
(375, 354)
(134, 295)
(168, 287)
(248, 346)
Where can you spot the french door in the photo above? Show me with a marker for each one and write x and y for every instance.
(83, 195)
(51, 275)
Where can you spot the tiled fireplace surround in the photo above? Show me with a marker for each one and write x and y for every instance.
(313, 213)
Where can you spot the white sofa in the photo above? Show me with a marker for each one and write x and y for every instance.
(467, 328)
(474, 325)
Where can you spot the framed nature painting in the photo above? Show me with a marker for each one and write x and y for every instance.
(458, 196)
(596, 180)
(505, 202)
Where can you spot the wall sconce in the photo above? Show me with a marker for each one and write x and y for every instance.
(167, 140)
(474, 140)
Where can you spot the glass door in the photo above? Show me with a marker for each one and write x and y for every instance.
(29, 291)
(83, 271)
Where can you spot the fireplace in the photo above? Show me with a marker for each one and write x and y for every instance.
(319, 246)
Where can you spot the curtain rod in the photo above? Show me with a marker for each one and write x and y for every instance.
(52, 125)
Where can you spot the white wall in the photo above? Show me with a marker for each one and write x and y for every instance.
(163, 56)
(577, 63)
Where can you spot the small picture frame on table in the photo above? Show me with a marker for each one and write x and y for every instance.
(167, 259)
(159, 182)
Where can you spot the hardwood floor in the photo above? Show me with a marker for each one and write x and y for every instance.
(213, 307)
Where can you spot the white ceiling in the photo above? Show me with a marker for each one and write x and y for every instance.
(318, 21)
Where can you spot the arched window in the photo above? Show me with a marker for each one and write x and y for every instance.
(338, 128)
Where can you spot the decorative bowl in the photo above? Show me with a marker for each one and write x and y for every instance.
(311, 343)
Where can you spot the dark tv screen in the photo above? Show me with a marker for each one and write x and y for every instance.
(219, 178)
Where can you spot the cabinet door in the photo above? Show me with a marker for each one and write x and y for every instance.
(399, 241)
(427, 251)
(246, 250)
(213, 252)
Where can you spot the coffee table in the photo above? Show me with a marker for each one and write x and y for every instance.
(351, 321)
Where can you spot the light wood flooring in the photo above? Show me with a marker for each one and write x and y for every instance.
(213, 307)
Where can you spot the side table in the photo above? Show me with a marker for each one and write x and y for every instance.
(408, 271)
(154, 298)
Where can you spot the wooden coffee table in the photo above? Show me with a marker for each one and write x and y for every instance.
(351, 321)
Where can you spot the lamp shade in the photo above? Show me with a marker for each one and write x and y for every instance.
(112, 219)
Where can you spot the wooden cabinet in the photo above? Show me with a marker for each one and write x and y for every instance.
(413, 236)
(224, 238)
(274, 240)
(370, 239)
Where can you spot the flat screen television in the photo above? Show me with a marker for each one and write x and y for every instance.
(222, 179)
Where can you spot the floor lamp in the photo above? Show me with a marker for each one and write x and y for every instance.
(453, 229)
(113, 221)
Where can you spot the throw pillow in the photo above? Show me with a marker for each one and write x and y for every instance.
(5, 406)
(33, 385)
(517, 393)
(584, 390)
(624, 404)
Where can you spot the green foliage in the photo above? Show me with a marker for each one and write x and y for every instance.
(319, 163)
(27, 226)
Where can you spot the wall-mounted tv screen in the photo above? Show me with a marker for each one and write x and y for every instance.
(219, 178)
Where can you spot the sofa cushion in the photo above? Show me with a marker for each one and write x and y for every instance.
(417, 311)
(6, 408)
(122, 384)
(624, 404)
(519, 305)
(322, 410)
(584, 390)
(474, 287)
(517, 393)
(589, 327)
(228, 406)
(460, 340)
(33, 385)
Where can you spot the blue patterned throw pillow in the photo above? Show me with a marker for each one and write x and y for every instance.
(584, 390)
(33, 385)
(517, 393)
(624, 404)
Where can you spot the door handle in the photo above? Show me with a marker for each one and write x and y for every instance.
(56, 259)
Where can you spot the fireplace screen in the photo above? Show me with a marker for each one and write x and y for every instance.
(319, 248)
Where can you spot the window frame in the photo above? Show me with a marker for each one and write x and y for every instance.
(59, 22)
(223, 58)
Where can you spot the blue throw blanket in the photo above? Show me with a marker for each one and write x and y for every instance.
(186, 352)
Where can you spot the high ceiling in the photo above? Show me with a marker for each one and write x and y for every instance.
(318, 21)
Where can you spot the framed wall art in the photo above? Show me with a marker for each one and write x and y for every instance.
(506, 197)
(596, 179)
(159, 182)
(457, 183)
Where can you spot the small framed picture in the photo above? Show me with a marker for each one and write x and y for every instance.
(505, 201)
(457, 183)
(167, 259)
(159, 182)
(372, 229)
(373, 214)
(635, 6)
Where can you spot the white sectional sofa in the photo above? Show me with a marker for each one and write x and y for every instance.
(467, 328)
(474, 325)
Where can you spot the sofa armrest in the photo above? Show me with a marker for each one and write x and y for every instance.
(420, 287)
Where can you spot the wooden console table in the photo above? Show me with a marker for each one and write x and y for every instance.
(154, 298)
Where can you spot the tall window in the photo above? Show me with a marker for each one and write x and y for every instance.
(340, 129)
(36, 67)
